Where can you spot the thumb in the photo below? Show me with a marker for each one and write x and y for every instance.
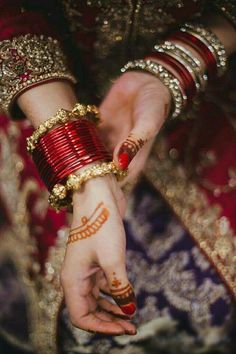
(120, 289)
(129, 148)
(148, 115)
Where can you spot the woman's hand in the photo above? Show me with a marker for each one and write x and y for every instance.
(95, 261)
(132, 114)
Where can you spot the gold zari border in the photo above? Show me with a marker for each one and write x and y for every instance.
(205, 223)
(43, 292)
(26, 61)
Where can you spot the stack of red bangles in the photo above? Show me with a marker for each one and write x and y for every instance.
(72, 144)
(66, 149)
(183, 62)
(180, 62)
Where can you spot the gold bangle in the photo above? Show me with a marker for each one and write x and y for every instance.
(61, 117)
(82, 110)
(60, 196)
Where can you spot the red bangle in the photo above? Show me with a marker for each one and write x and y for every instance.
(66, 149)
(201, 49)
(188, 83)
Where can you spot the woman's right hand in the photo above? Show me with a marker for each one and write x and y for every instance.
(95, 261)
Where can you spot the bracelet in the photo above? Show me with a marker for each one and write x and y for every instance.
(212, 42)
(201, 49)
(170, 81)
(183, 55)
(61, 117)
(67, 148)
(27, 61)
(59, 197)
(188, 82)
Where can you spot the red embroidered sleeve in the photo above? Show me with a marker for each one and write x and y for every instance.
(30, 54)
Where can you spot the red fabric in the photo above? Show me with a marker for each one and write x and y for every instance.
(215, 135)
(15, 21)
(43, 227)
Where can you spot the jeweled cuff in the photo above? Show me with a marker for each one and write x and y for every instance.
(28, 61)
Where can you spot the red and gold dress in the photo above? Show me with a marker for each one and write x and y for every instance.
(181, 218)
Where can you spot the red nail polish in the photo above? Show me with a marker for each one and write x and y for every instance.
(124, 160)
(129, 309)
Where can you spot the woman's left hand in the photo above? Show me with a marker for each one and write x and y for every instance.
(132, 113)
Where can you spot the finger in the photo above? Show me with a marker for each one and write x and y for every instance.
(149, 113)
(82, 305)
(101, 281)
(93, 323)
(135, 168)
(120, 288)
(111, 128)
(111, 308)
(127, 326)
(129, 148)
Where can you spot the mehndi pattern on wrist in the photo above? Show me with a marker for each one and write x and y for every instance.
(89, 225)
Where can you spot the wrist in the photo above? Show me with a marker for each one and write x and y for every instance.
(41, 102)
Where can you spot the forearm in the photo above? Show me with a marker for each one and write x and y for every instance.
(224, 30)
(41, 102)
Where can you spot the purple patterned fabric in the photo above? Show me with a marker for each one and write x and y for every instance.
(183, 307)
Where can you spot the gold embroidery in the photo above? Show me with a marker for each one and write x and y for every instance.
(178, 284)
(205, 223)
(27, 60)
(123, 31)
(44, 294)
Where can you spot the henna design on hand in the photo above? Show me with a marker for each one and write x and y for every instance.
(90, 226)
(116, 282)
(128, 150)
(125, 298)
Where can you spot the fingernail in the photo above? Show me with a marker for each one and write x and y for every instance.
(128, 150)
(124, 160)
(129, 309)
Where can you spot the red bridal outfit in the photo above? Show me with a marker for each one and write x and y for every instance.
(181, 218)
